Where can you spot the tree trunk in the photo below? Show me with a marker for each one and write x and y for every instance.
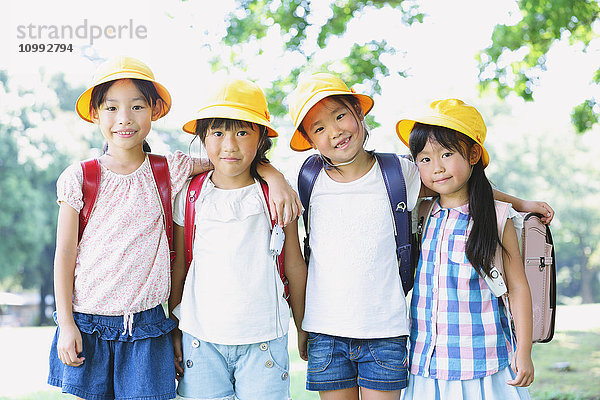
(587, 281)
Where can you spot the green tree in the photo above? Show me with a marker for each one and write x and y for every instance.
(545, 166)
(542, 24)
(305, 36)
(29, 167)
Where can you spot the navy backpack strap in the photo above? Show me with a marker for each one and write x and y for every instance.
(306, 182)
(391, 170)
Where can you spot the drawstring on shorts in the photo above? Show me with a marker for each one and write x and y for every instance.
(127, 323)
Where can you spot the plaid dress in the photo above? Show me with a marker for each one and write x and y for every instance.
(459, 329)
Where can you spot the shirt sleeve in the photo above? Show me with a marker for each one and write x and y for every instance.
(180, 168)
(68, 187)
(179, 205)
(412, 180)
(517, 220)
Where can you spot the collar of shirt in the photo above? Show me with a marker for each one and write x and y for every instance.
(437, 208)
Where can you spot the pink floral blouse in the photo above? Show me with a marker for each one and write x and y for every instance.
(123, 261)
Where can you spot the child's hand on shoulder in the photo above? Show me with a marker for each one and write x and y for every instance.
(302, 344)
(523, 367)
(540, 207)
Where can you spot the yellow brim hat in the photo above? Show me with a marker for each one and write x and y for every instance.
(450, 113)
(121, 68)
(312, 90)
(237, 99)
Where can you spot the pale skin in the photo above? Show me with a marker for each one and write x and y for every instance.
(231, 152)
(124, 119)
(334, 128)
(447, 172)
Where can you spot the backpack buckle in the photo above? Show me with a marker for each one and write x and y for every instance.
(401, 206)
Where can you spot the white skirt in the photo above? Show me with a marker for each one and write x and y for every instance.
(492, 387)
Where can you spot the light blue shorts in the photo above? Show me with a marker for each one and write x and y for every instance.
(253, 371)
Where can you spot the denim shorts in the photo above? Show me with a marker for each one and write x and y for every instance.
(336, 363)
(132, 363)
(218, 371)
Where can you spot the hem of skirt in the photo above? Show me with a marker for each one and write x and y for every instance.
(76, 391)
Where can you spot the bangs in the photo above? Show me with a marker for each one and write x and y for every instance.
(446, 137)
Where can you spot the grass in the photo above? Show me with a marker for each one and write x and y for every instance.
(582, 381)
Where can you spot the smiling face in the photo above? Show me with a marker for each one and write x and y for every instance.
(334, 128)
(232, 148)
(447, 171)
(124, 117)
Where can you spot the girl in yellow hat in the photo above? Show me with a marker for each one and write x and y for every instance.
(355, 312)
(460, 338)
(113, 339)
(232, 310)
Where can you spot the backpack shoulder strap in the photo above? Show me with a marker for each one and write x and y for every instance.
(162, 179)
(395, 186)
(501, 216)
(189, 229)
(89, 189)
(306, 181)
(281, 256)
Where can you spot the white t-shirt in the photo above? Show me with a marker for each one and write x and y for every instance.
(233, 293)
(354, 288)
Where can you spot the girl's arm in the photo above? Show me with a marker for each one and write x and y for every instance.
(201, 165)
(540, 207)
(295, 271)
(69, 344)
(520, 305)
(178, 274)
(284, 202)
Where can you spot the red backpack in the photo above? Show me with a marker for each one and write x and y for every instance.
(162, 179)
(189, 229)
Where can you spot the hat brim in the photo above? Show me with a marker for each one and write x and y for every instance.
(405, 126)
(228, 112)
(298, 142)
(82, 106)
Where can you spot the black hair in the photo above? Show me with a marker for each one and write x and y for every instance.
(146, 88)
(352, 104)
(264, 142)
(483, 240)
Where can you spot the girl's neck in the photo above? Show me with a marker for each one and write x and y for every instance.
(122, 161)
(362, 163)
(228, 182)
(454, 200)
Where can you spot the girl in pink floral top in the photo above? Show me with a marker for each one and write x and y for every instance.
(113, 339)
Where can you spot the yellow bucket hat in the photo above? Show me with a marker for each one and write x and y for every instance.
(235, 99)
(450, 113)
(308, 93)
(121, 68)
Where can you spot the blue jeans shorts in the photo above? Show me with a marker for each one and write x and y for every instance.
(245, 372)
(132, 363)
(336, 363)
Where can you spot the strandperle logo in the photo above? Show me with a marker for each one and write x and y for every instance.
(87, 31)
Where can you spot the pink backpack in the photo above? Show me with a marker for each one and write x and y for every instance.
(537, 252)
